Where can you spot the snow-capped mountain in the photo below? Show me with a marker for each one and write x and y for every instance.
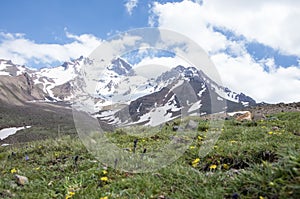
(151, 101)
(7, 68)
(56, 82)
(122, 96)
(52, 84)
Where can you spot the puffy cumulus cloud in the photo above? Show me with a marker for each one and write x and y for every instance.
(22, 50)
(270, 22)
(186, 18)
(243, 74)
(130, 5)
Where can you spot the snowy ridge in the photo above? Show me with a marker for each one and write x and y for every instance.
(7, 68)
(49, 79)
(160, 115)
(120, 85)
(46, 78)
(138, 94)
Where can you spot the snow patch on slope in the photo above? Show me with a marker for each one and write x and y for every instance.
(4, 133)
(52, 77)
(196, 106)
(160, 115)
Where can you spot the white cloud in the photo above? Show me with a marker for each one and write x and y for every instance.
(22, 50)
(243, 74)
(169, 62)
(130, 5)
(153, 67)
(269, 22)
(186, 18)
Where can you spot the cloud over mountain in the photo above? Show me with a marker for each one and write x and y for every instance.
(270, 23)
(23, 50)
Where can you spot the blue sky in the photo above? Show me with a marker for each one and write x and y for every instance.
(48, 21)
(260, 51)
(45, 21)
(258, 38)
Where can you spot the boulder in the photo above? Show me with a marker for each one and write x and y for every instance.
(245, 116)
(240, 115)
(21, 180)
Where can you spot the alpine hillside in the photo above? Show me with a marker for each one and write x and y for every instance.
(118, 84)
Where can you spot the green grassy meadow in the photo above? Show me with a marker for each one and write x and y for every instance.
(250, 160)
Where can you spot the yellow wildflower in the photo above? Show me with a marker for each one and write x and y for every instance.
(195, 165)
(270, 133)
(260, 197)
(232, 141)
(192, 147)
(13, 170)
(195, 162)
(105, 197)
(225, 166)
(104, 179)
(70, 194)
(37, 168)
(104, 172)
(200, 138)
(213, 166)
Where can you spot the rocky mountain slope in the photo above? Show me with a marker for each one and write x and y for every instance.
(122, 96)
(41, 98)
(21, 84)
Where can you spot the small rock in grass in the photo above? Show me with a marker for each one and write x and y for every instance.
(21, 180)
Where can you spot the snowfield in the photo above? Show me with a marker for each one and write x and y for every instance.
(4, 133)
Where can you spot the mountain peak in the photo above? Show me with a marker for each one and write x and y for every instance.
(120, 66)
(180, 68)
(8, 68)
(57, 82)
